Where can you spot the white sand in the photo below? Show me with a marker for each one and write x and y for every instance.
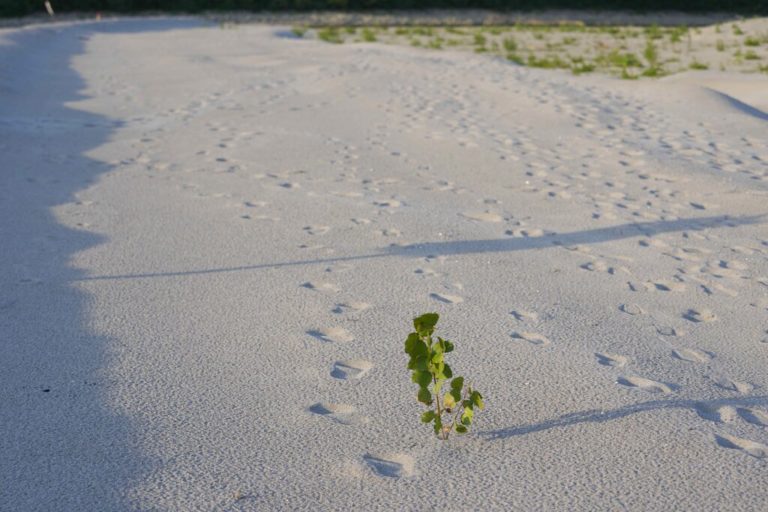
(213, 242)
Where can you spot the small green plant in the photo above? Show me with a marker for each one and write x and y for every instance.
(480, 40)
(510, 44)
(751, 55)
(698, 66)
(720, 45)
(368, 35)
(751, 41)
(737, 30)
(431, 372)
(299, 31)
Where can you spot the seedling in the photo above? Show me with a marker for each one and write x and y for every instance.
(453, 410)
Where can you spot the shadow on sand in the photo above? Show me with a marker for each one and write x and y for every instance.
(602, 416)
(463, 247)
(63, 445)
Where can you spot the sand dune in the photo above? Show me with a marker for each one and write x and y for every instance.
(214, 241)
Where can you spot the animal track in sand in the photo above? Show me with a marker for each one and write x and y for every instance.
(321, 286)
(607, 359)
(360, 221)
(752, 448)
(670, 331)
(691, 355)
(446, 298)
(332, 334)
(718, 414)
(648, 385)
(532, 337)
(340, 413)
(397, 465)
(351, 369)
(525, 233)
(699, 316)
(486, 216)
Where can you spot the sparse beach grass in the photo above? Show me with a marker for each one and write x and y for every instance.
(627, 52)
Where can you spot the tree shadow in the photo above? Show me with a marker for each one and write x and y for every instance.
(463, 247)
(63, 445)
(601, 416)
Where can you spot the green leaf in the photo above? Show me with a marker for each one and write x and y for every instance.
(437, 387)
(421, 378)
(457, 383)
(410, 343)
(425, 396)
(447, 372)
(425, 324)
(415, 346)
(461, 429)
(437, 357)
(449, 401)
(448, 346)
(456, 394)
(477, 399)
(427, 416)
(466, 416)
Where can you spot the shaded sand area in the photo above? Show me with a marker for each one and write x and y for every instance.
(213, 242)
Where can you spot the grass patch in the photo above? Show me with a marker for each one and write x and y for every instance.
(330, 35)
(368, 35)
(299, 31)
(751, 41)
(751, 55)
(720, 45)
(698, 66)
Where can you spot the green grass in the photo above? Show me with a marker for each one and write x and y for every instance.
(480, 40)
(698, 66)
(299, 31)
(751, 41)
(751, 55)
(510, 44)
(330, 35)
(737, 30)
(368, 35)
(720, 45)
(583, 67)
(549, 62)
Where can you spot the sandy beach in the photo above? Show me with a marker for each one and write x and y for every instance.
(214, 240)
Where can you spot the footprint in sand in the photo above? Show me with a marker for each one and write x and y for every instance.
(486, 216)
(718, 414)
(752, 448)
(387, 203)
(317, 230)
(446, 298)
(648, 385)
(533, 338)
(397, 465)
(332, 334)
(733, 385)
(346, 307)
(699, 316)
(524, 316)
(351, 369)
(615, 360)
(340, 413)
(321, 286)
(669, 331)
(691, 355)
(754, 416)
(631, 309)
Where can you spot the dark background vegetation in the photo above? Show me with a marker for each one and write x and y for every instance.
(23, 7)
